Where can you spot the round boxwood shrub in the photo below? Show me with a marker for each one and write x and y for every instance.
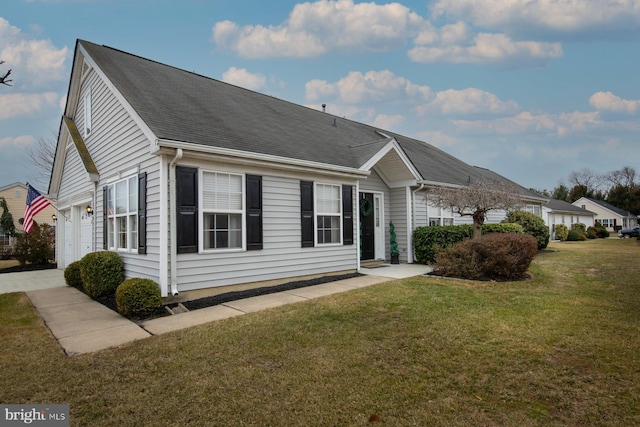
(137, 297)
(72, 275)
(101, 273)
(533, 225)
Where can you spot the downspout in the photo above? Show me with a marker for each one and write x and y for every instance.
(173, 251)
(413, 221)
(94, 223)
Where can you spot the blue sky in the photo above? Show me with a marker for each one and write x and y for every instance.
(532, 89)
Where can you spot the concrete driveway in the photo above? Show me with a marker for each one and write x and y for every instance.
(31, 280)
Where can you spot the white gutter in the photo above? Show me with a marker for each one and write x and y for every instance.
(173, 229)
(258, 159)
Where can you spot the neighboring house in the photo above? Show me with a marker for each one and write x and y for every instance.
(16, 197)
(611, 217)
(561, 212)
(197, 183)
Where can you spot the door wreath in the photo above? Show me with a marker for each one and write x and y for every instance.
(365, 207)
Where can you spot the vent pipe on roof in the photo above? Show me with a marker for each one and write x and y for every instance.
(324, 108)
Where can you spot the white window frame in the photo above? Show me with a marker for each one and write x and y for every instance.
(534, 209)
(130, 215)
(318, 212)
(87, 115)
(203, 211)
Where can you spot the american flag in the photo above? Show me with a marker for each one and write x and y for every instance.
(35, 203)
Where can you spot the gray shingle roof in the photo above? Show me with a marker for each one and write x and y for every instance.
(183, 106)
(606, 205)
(562, 206)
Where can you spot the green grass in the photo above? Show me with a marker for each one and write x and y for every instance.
(560, 349)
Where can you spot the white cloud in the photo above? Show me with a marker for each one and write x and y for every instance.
(34, 62)
(21, 105)
(467, 101)
(486, 48)
(389, 122)
(438, 138)
(373, 86)
(527, 123)
(546, 18)
(607, 101)
(313, 29)
(385, 87)
(19, 141)
(243, 78)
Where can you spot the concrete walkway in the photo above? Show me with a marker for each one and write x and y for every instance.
(82, 325)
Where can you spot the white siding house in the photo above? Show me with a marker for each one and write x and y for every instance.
(560, 212)
(197, 183)
(611, 217)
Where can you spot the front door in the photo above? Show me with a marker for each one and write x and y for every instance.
(367, 227)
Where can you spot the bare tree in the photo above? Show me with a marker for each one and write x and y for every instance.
(625, 177)
(587, 178)
(4, 77)
(40, 157)
(477, 199)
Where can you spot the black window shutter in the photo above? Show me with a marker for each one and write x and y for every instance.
(254, 212)
(105, 217)
(187, 209)
(142, 213)
(306, 213)
(347, 215)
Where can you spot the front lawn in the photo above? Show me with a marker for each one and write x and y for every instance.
(559, 349)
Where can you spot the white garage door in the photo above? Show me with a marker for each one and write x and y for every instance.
(86, 234)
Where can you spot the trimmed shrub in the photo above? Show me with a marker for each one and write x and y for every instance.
(601, 231)
(101, 273)
(72, 274)
(591, 235)
(429, 240)
(575, 236)
(533, 225)
(503, 227)
(561, 231)
(491, 257)
(579, 227)
(137, 297)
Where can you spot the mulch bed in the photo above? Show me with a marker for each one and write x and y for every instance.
(28, 267)
(109, 301)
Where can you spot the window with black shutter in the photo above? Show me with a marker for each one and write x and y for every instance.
(142, 213)
(105, 217)
(306, 213)
(254, 212)
(187, 209)
(347, 214)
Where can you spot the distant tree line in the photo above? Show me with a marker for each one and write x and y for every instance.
(620, 188)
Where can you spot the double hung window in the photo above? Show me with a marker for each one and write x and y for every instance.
(222, 211)
(328, 213)
(122, 214)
